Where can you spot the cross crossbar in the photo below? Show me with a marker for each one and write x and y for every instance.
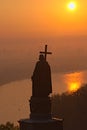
(45, 52)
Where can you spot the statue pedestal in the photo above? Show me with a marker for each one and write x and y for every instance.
(49, 124)
(40, 108)
(40, 116)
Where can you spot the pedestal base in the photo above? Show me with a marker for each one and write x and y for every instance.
(40, 108)
(50, 124)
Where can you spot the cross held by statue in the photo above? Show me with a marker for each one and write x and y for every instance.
(45, 52)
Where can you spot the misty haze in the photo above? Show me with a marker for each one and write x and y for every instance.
(17, 57)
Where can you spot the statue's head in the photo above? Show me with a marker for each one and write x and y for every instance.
(41, 58)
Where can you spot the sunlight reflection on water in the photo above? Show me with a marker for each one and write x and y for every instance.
(68, 82)
(74, 81)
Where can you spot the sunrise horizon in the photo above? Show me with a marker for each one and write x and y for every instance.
(28, 28)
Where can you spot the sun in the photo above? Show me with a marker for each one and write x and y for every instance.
(71, 5)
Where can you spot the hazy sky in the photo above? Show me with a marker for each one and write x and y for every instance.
(29, 18)
(27, 25)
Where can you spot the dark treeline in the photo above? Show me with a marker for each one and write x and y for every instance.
(72, 108)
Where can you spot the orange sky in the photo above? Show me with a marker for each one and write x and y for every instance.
(27, 25)
(21, 18)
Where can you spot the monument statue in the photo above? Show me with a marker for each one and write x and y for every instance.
(41, 79)
(40, 101)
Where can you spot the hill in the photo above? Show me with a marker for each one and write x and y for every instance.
(72, 108)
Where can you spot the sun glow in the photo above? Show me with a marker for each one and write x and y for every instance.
(72, 6)
(74, 81)
(74, 86)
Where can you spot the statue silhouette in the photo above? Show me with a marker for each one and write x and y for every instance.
(41, 79)
(40, 101)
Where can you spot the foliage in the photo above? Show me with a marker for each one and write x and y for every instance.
(8, 126)
(72, 108)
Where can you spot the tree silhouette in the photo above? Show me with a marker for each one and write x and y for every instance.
(8, 126)
(72, 108)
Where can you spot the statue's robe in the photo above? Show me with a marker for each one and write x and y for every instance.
(41, 79)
